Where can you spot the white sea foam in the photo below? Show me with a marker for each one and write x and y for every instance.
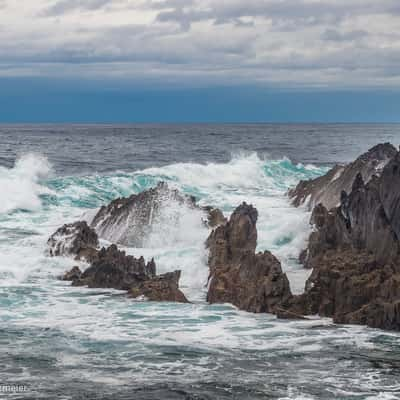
(134, 334)
(21, 185)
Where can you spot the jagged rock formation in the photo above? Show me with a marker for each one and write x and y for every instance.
(114, 269)
(129, 221)
(354, 252)
(350, 286)
(76, 239)
(215, 217)
(328, 188)
(160, 288)
(252, 282)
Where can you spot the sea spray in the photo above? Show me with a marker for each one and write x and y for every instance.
(22, 185)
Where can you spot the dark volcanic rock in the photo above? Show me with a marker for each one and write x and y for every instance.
(347, 285)
(252, 282)
(128, 221)
(114, 269)
(74, 275)
(160, 288)
(215, 217)
(354, 252)
(76, 239)
(327, 189)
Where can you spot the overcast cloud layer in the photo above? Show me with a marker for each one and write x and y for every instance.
(306, 43)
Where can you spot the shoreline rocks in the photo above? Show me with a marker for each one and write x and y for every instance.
(76, 239)
(111, 268)
(354, 252)
(327, 189)
(129, 221)
(252, 282)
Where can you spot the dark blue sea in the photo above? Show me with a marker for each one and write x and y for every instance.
(60, 342)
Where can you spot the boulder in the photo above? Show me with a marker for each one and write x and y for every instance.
(252, 282)
(76, 239)
(327, 189)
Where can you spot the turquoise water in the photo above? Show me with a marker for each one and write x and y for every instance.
(72, 343)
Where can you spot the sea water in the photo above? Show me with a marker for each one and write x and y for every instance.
(62, 342)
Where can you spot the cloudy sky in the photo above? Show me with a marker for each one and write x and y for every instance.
(308, 45)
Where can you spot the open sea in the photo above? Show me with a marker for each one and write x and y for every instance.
(60, 342)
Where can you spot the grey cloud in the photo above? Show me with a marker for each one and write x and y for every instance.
(63, 6)
(300, 12)
(285, 41)
(336, 36)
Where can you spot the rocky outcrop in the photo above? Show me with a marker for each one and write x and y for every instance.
(252, 282)
(354, 252)
(114, 269)
(215, 217)
(128, 221)
(76, 239)
(160, 288)
(327, 189)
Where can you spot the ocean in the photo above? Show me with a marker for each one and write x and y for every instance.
(62, 342)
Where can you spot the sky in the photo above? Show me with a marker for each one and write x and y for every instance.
(199, 60)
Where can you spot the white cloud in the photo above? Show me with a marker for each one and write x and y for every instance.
(281, 42)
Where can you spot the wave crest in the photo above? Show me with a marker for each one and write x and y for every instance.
(21, 185)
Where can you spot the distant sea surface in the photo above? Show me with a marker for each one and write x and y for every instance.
(61, 342)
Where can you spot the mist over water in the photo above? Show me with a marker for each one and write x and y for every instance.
(66, 342)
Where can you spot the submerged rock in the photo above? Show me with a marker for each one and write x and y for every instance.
(327, 189)
(76, 239)
(252, 282)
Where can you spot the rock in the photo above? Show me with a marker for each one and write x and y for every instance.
(76, 239)
(327, 189)
(113, 269)
(348, 285)
(355, 254)
(73, 275)
(128, 221)
(160, 288)
(215, 217)
(252, 282)
(376, 314)
(282, 313)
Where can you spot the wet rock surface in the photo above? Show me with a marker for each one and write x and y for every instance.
(252, 282)
(327, 189)
(116, 270)
(128, 221)
(76, 239)
(160, 288)
(354, 254)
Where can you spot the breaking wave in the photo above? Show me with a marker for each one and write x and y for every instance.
(22, 185)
